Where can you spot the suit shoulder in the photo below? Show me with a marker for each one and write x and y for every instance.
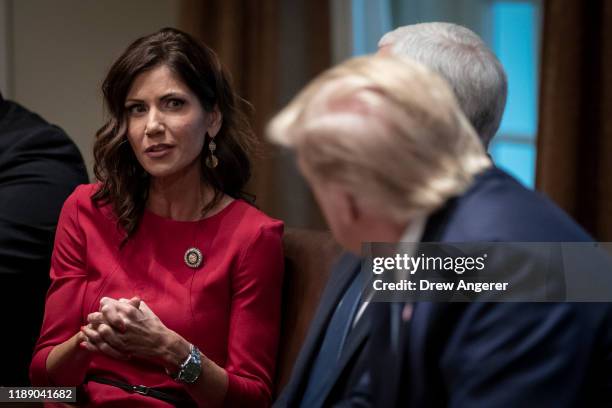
(25, 132)
(499, 208)
(27, 125)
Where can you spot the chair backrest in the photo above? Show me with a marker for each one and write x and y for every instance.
(309, 256)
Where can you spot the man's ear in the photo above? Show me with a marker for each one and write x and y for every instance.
(215, 120)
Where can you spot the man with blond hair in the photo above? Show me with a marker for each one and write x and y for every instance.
(479, 83)
(391, 158)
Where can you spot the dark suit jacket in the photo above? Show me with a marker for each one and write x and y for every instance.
(39, 168)
(353, 358)
(494, 354)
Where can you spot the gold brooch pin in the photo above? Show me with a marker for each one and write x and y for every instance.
(193, 258)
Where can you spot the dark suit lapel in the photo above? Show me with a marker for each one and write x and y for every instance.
(395, 356)
(384, 346)
(341, 277)
(391, 333)
(412, 358)
(355, 340)
(356, 337)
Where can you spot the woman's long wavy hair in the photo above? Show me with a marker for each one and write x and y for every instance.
(124, 183)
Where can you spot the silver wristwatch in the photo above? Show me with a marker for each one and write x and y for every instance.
(191, 368)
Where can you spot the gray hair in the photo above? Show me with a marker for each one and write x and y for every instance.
(462, 58)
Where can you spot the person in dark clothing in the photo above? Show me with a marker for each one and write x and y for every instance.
(39, 167)
(391, 158)
(479, 83)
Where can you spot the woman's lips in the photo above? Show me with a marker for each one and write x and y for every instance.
(159, 150)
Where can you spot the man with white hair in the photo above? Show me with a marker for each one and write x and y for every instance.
(391, 158)
(479, 83)
(463, 59)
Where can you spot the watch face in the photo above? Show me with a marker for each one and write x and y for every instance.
(191, 373)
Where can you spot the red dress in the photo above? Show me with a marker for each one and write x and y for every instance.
(229, 307)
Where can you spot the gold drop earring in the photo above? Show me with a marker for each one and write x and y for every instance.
(211, 160)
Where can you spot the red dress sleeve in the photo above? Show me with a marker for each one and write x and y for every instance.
(255, 319)
(68, 282)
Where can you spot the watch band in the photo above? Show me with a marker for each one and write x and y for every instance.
(191, 368)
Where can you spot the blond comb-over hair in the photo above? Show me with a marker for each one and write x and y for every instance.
(390, 131)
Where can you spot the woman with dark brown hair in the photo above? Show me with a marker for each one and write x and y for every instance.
(166, 284)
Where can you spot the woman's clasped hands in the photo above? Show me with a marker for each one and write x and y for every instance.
(126, 329)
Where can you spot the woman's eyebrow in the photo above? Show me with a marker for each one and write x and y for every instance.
(171, 95)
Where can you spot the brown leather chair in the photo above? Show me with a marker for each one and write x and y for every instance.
(309, 256)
